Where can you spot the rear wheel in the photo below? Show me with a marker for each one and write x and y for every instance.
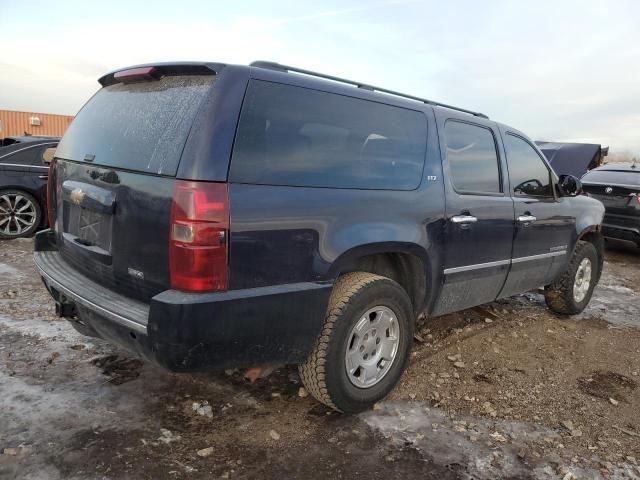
(20, 214)
(570, 293)
(364, 345)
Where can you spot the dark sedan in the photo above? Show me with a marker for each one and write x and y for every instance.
(23, 187)
(617, 186)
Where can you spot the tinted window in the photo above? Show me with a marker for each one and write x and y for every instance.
(473, 161)
(527, 172)
(613, 177)
(21, 156)
(296, 136)
(138, 126)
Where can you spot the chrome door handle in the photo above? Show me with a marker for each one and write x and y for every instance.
(464, 219)
(526, 219)
(43, 177)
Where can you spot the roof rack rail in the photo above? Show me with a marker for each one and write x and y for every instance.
(364, 86)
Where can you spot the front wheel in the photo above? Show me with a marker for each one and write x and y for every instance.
(364, 345)
(570, 293)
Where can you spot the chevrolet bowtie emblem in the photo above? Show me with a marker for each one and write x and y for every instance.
(77, 195)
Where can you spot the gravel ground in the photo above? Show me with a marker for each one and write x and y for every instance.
(505, 390)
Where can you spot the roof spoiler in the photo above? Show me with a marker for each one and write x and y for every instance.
(157, 70)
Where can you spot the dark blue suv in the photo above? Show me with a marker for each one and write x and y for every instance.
(212, 216)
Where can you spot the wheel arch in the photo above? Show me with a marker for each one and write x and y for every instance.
(408, 264)
(593, 234)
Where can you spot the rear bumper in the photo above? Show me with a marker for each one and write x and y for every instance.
(622, 227)
(189, 332)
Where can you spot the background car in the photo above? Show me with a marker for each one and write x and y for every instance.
(617, 186)
(23, 186)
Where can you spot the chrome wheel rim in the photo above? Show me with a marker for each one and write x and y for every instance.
(17, 214)
(372, 347)
(582, 281)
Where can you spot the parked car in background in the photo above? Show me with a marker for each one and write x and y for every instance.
(266, 214)
(23, 186)
(617, 186)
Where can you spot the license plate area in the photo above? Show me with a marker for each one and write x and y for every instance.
(86, 227)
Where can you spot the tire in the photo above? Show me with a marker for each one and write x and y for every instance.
(20, 214)
(348, 333)
(563, 294)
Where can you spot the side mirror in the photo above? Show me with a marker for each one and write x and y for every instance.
(569, 186)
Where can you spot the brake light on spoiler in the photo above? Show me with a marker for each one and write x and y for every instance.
(198, 245)
(137, 74)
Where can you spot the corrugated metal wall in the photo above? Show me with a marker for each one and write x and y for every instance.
(17, 123)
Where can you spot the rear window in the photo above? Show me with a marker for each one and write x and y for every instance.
(137, 126)
(302, 137)
(614, 177)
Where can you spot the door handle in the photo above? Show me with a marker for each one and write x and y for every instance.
(464, 219)
(526, 219)
(43, 177)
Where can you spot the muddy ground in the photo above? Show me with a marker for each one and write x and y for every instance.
(506, 390)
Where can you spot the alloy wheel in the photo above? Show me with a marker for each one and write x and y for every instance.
(17, 214)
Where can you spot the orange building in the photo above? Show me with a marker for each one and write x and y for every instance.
(32, 123)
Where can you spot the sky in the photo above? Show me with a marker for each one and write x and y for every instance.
(557, 70)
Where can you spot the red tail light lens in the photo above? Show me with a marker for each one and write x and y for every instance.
(51, 207)
(198, 256)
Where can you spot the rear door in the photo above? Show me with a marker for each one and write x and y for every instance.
(16, 160)
(479, 227)
(25, 167)
(545, 224)
(115, 174)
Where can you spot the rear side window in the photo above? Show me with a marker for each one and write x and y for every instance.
(472, 157)
(301, 137)
(24, 155)
(613, 177)
(139, 126)
(528, 174)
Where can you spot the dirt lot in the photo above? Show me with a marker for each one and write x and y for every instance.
(506, 390)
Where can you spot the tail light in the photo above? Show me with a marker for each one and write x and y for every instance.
(198, 256)
(51, 200)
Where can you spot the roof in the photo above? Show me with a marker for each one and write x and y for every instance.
(573, 158)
